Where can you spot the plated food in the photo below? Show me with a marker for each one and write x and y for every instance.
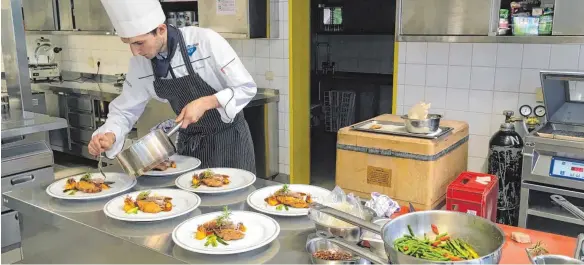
(89, 186)
(215, 180)
(175, 164)
(165, 165)
(286, 200)
(151, 205)
(226, 232)
(440, 247)
(147, 203)
(220, 230)
(210, 179)
(86, 184)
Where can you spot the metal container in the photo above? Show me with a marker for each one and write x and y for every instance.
(485, 236)
(423, 126)
(351, 234)
(554, 259)
(171, 18)
(147, 152)
(315, 244)
(189, 18)
(180, 19)
(375, 242)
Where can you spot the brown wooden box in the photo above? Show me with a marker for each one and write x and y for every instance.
(421, 179)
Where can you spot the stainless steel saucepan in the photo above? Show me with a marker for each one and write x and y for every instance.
(485, 236)
(148, 152)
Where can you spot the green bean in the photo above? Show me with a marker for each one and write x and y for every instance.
(411, 231)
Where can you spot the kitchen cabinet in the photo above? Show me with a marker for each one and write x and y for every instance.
(90, 16)
(380, 16)
(445, 17)
(235, 18)
(40, 14)
(568, 19)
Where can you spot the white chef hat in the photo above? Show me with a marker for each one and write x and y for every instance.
(132, 18)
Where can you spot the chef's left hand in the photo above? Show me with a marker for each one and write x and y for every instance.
(193, 111)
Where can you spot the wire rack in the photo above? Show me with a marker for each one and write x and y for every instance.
(339, 109)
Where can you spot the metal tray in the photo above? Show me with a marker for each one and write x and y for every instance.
(400, 129)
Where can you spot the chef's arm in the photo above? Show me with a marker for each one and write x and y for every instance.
(239, 87)
(124, 111)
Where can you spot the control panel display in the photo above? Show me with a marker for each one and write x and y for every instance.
(567, 168)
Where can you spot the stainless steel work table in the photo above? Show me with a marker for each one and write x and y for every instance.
(19, 123)
(58, 231)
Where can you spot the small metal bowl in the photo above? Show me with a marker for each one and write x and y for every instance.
(555, 259)
(422, 126)
(316, 244)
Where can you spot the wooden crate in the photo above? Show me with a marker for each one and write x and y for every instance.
(417, 170)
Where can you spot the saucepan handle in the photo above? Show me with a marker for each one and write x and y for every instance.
(173, 130)
(351, 219)
(568, 206)
(361, 252)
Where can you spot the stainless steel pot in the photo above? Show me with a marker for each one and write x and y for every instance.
(148, 152)
(485, 236)
(422, 126)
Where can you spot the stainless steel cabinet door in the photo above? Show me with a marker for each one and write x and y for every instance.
(65, 14)
(568, 19)
(89, 15)
(39, 14)
(445, 17)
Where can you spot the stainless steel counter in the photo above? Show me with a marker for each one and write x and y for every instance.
(54, 230)
(108, 92)
(24, 122)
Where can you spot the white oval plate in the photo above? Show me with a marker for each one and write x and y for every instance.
(261, 230)
(183, 164)
(256, 199)
(182, 203)
(122, 183)
(239, 178)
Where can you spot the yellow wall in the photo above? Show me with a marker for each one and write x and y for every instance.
(299, 43)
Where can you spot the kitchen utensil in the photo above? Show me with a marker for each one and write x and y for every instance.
(422, 126)
(375, 242)
(412, 209)
(568, 206)
(485, 236)
(100, 166)
(240, 179)
(348, 233)
(183, 202)
(121, 183)
(256, 199)
(147, 152)
(555, 259)
(328, 240)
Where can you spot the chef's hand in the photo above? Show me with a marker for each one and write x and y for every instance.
(193, 111)
(101, 142)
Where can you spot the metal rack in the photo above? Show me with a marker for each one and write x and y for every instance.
(339, 109)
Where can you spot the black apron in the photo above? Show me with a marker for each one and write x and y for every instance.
(215, 143)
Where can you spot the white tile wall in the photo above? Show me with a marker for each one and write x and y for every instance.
(475, 82)
(260, 56)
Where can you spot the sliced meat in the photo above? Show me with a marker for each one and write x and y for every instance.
(88, 187)
(292, 201)
(229, 234)
(213, 181)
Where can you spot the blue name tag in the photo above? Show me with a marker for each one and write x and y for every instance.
(191, 49)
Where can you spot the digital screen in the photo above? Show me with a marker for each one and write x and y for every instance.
(561, 167)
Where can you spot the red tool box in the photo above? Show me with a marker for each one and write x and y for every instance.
(474, 193)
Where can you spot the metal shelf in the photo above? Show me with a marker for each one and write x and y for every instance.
(554, 214)
(494, 39)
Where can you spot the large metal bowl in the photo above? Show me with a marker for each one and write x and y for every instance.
(422, 126)
(485, 236)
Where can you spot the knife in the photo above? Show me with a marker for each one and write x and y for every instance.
(411, 208)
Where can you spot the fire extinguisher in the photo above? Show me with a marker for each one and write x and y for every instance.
(505, 161)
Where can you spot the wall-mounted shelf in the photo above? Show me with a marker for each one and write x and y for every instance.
(493, 39)
(353, 33)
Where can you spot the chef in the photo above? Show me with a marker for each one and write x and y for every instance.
(196, 71)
